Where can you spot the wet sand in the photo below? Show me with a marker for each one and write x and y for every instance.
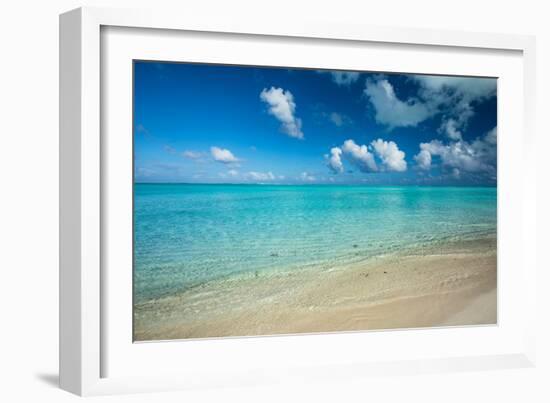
(443, 285)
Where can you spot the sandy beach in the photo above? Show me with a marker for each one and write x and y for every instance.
(451, 284)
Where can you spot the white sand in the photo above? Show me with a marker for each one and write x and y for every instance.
(455, 286)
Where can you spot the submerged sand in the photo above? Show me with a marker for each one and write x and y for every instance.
(448, 284)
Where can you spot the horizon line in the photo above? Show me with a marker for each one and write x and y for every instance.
(309, 184)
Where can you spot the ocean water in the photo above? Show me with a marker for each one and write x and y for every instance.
(186, 234)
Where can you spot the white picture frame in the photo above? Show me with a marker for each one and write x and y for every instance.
(86, 346)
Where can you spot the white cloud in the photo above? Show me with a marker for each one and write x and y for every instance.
(193, 155)
(480, 155)
(282, 107)
(334, 161)
(261, 176)
(344, 78)
(223, 155)
(392, 157)
(360, 156)
(450, 128)
(456, 96)
(469, 87)
(390, 110)
(423, 159)
(307, 177)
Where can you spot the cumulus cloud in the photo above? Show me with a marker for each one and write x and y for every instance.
(456, 96)
(344, 78)
(452, 97)
(261, 176)
(423, 159)
(450, 128)
(334, 160)
(390, 110)
(360, 156)
(392, 157)
(479, 155)
(281, 105)
(223, 155)
(378, 156)
(468, 87)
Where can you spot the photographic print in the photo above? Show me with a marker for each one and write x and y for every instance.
(276, 200)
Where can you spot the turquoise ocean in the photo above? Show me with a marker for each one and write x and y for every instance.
(188, 234)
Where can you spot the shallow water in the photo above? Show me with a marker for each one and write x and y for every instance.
(188, 234)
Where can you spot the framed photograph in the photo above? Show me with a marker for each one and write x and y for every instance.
(245, 224)
(246, 204)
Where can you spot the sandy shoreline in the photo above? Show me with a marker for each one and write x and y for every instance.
(454, 284)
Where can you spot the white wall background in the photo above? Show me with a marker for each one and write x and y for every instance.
(29, 201)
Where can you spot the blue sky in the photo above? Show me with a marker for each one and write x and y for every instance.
(198, 123)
